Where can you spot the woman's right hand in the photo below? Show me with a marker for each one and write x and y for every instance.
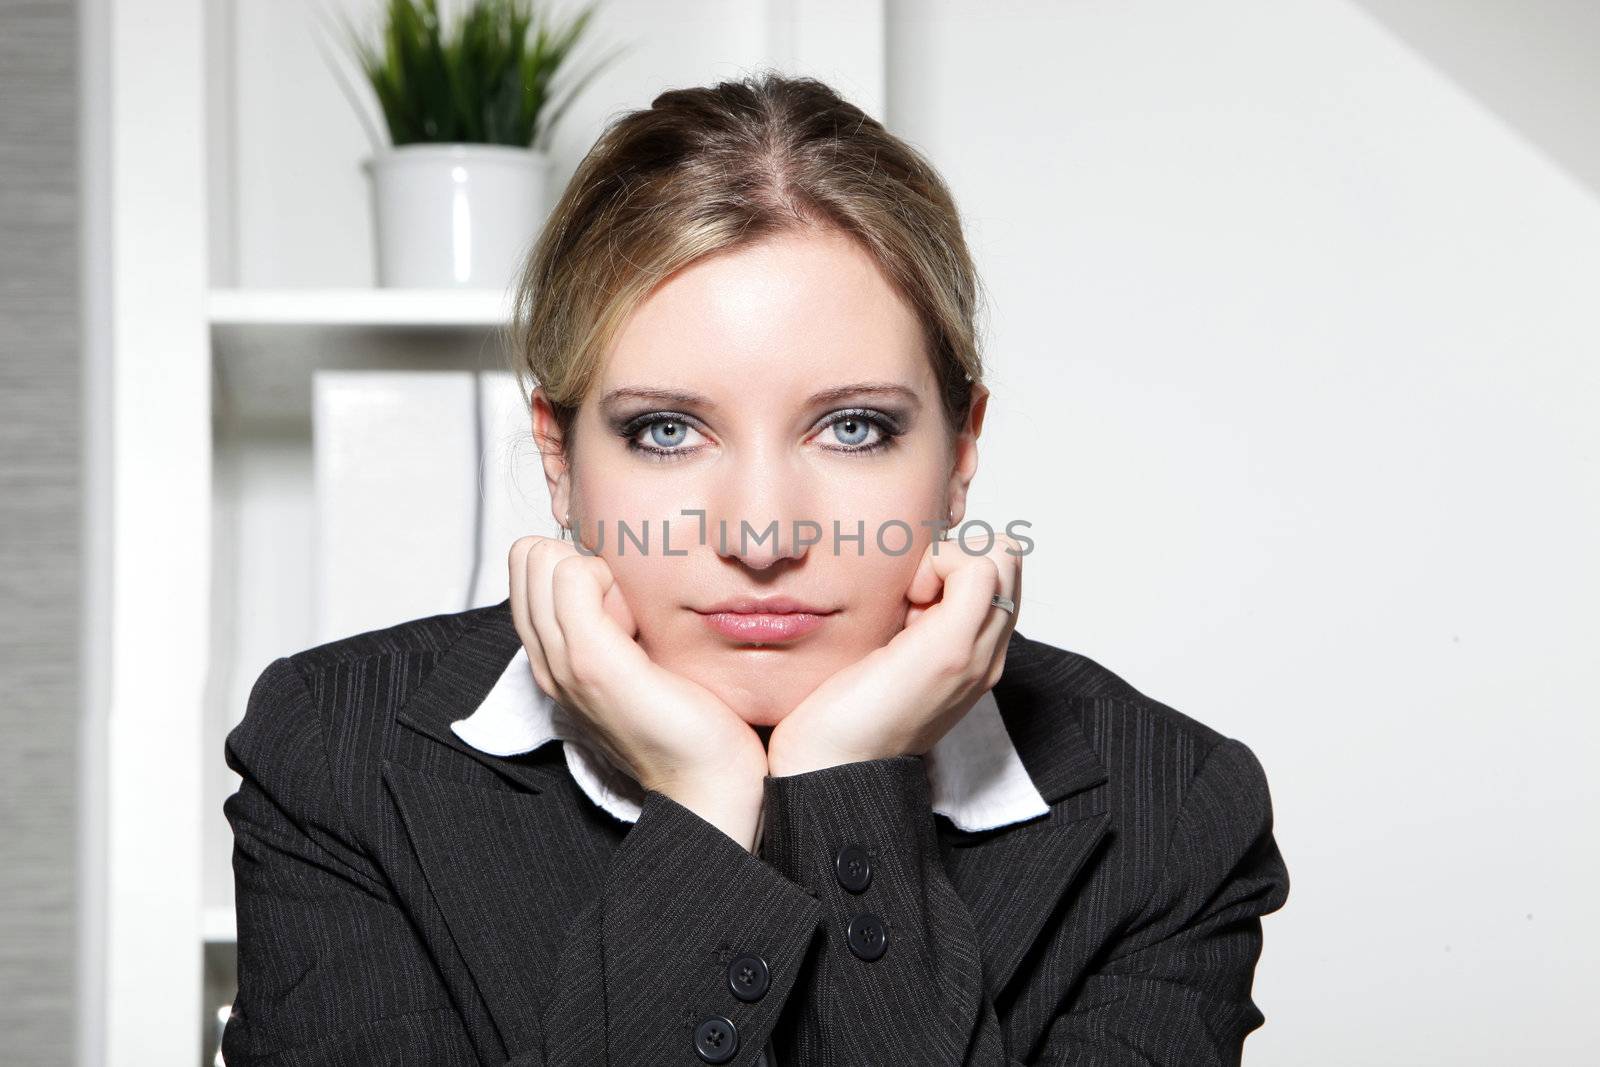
(672, 734)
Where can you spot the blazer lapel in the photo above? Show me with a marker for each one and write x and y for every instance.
(460, 682)
(513, 868)
(1013, 878)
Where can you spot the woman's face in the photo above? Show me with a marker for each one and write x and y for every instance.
(780, 383)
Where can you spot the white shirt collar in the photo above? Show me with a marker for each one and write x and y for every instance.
(975, 776)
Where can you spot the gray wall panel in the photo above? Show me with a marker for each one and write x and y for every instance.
(40, 543)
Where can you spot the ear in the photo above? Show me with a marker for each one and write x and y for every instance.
(964, 457)
(552, 454)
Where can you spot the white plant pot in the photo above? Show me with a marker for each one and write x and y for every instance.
(455, 215)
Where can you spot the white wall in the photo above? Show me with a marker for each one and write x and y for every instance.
(1294, 352)
(1533, 63)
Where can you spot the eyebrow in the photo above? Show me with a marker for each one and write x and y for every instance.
(686, 398)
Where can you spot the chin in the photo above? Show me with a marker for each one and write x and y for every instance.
(760, 687)
(764, 716)
(758, 697)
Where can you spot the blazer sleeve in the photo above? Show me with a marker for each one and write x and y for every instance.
(683, 908)
(1174, 991)
(329, 968)
(332, 970)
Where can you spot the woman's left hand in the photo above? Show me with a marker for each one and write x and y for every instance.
(900, 699)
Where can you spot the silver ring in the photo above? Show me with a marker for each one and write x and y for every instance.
(1004, 602)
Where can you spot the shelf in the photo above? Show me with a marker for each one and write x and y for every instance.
(362, 308)
(267, 344)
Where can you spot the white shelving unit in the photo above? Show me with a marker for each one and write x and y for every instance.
(238, 259)
(237, 310)
(265, 348)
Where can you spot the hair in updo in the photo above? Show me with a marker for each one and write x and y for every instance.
(706, 169)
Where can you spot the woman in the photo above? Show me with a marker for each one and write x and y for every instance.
(816, 800)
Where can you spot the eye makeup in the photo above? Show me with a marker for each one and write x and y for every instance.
(887, 426)
(629, 430)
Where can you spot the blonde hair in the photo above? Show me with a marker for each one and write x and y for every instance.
(711, 168)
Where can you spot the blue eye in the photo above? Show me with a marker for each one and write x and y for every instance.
(668, 433)
(854, 429)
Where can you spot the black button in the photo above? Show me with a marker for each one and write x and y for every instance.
(868, 937)
(716, 1039)
(748, 976)
(853, 868)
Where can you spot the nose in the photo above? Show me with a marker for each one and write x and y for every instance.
(759, 508)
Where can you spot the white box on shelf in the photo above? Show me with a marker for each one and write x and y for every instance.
(414, 472)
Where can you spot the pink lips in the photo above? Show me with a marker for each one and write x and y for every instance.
(763, 620)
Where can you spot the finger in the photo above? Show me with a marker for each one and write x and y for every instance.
(998, 626)
(542, 560)
(940, 560)
(517, 564)
(616, 605)
(926, 581)
(579, 587)
(969, 582)
(990, 626)
(609, 656)
(521, 613)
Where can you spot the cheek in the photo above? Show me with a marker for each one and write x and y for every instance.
(877, 582)
(650, 584)
(646, 580)
(892, 496)
(615, 492)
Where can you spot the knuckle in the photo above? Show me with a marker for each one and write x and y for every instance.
(561, 673)
(951, 663)
(547, 684)
(583, 669)
(991, 679)
(566, 570)
(528, 544)
(541, 543)
(990, 571)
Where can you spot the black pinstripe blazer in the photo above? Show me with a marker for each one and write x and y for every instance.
(404, 898)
